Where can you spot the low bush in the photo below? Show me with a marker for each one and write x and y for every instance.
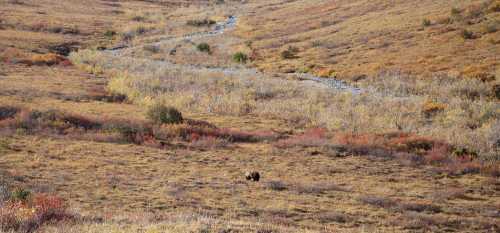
(207, 142)
(8, 112)
(382, 202)
(204, 47)
(133, 31)
(455, 11)
(200, 23)
(310, 138)
(151, 48)
(317, 188)
(492, 27)
(276, 185)
(48, 59)
(20, 194)
(240, 57)
(31, 212)
(289, 53)
(466, 34)
(426, 22)
(110, 34)
(161, 114)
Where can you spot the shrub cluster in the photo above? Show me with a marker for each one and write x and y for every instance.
(166, 124)
(26, 212)
(162, 114)
(200, 23)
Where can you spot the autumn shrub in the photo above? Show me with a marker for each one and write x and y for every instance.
(310, 138)
(161, 114)
(234, 135)
(397, 105)
(101, 94)
(207, 142)
(48, 59)
(32, 212)
(430, 108)
(130, 131)
(49, 208)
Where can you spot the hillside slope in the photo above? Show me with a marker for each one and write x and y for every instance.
(355, 38)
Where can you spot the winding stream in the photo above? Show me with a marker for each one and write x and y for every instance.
(220, 28)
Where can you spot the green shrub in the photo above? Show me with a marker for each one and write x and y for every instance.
(466, 34)
(151, 48)
(455, 11)
(495, 8)
(316, 44)
(138, 18)
(426, 22)
(496, 91)
(162, 114)
(204, 47)
(491, 27)
(240, 57)
(131, 33)
(200, 23)
(290, 53)
(8, 112)
(21, 194)
(110, 34)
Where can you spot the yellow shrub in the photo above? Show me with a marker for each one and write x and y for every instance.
(431, 107)
(47, 59)
(327, 73)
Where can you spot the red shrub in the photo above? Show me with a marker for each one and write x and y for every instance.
(27, 216)
(373, 140)
(49, 208)
(437, 155)
(244, 136)
(415, 150)
(8, 219)
(208, 142)
(310, 138)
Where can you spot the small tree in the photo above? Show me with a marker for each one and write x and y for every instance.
(162, 114)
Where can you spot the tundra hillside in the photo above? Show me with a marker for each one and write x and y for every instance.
(158, 116)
